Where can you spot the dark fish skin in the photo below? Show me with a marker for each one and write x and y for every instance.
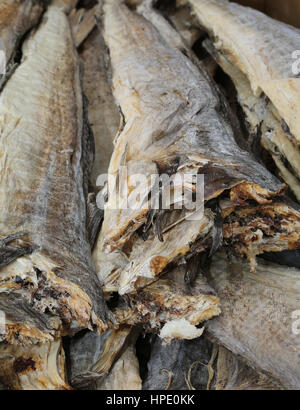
(17, 17)
(168, 366)
(233, 374)
(256, 322)
(23, 324)
(92, 355)
(47, 154)
(285, 258)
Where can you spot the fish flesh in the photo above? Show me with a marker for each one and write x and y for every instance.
(256, 322)
(258, 54)
(17, 17)
(172, 305)
(46, 156)
(38, 367)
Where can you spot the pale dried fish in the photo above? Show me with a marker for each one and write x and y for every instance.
(38, 367)
(46, 157)
(262, 51)
(92, 355)
(125, 373)
(83, 22)
(232, 374)
(17, 17)
(256, 320)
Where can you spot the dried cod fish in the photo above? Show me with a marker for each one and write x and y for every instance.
(232, 374)
(173, 123)
(171, 305)
(46, 156)
(257, 52)
(125, 373)
(263, 125)
(181, 365)
(38, 367)
(256, 322)
(65, 5)
(21, 324)
(103, 113)
(17, 17)
(92, 355)
(83, 21)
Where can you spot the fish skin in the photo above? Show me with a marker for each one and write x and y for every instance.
(65, 5)
(186, 120)
(168, 366)
(263, 124)
(38, 367)
(125, 373)
(233, 374)
(46, 156)
(170, 298)
(262, 50)
(23, 325)
(256, 319)
(92, 355)
(103, 113)
(16, 19)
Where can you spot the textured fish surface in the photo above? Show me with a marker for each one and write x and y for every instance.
(125, 373)
(175, 122)
(233, 374)
(17, 17)
(257, 322)
(92, 355)
(178, 366)
(45, 160)
(38, 367)
(261, 51)
(103, 113)
(171, 305)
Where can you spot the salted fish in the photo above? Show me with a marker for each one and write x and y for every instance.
(21, 324)
(103, 113)
(65, 5)
(46, 157)
(262, 53)
(17, 17)
(92, 355)
(259, 316)
(125, 373)
(38, 367)
(172, 306)
(183, 101)
(181, 365)
(233, 374)
(149, 103)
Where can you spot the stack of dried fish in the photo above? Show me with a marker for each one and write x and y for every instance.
(155, 295)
